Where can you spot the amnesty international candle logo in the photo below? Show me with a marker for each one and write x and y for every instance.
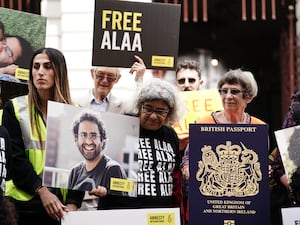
(233, 171)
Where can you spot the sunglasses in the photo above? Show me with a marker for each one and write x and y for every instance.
(182, 80)
(224, 91)
(110, 77)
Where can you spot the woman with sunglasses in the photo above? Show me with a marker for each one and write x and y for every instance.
(237, 89)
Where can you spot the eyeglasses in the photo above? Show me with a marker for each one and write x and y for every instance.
(149, 110)
(8, 50)
(182, 80)
(224, 91)
(110, 77)
(92, 136)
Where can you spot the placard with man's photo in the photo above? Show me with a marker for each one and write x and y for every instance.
(87, 149)
(288, 144)
(21, 33)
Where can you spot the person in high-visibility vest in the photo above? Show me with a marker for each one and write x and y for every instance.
(25, 119)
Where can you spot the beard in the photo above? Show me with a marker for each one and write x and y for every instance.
(90, 151)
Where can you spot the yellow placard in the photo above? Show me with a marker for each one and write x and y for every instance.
(198, 104)
(161, 218)
(22, 74)
(162, 61)
(118, 184)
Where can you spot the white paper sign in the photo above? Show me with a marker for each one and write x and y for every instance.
(291, 216)
(157, 216)
(287, 141)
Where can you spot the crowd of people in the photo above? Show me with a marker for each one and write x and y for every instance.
(156, 103)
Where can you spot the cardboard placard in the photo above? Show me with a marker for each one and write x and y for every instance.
(290, 216)
(123, 29)
(63, 152)
(26, 32)
(229, 181)
(157, 216)
(198, 104)
(288, 145)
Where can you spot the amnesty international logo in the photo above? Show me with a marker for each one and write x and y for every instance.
(232, 170)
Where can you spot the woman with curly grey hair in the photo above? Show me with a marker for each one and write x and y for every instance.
(161, 91)
(158, 176)
(159, 155)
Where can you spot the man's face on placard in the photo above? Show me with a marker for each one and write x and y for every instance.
(89, 140)
(10, 51)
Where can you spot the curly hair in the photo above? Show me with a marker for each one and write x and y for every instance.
(91, 116)
(158, 89)
(295, 184)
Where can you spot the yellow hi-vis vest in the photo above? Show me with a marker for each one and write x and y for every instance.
(33, 149)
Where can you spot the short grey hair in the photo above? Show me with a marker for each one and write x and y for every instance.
(158, 89)
(116, 68)
(188, 64)
(244, 78)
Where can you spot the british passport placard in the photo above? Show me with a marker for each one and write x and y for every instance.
(229, 182)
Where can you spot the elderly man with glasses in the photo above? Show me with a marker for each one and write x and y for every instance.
(100, 97)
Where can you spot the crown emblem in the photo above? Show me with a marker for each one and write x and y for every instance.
(230, 170)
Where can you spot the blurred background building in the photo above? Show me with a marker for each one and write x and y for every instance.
(256, 35)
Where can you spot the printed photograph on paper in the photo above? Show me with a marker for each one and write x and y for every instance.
(21, 33)
(86, 149)
(288, 144)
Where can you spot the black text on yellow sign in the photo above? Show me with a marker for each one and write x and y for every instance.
(127, 22)
(22, 74)
(118, 184)
(161, 219)
(162, 61)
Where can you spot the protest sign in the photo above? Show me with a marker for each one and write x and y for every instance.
(229, 181)
(198, 104)
(23, 33)
(157, 216)
(123, 29)
(290, 216)
(288, 144)
(70, 150)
